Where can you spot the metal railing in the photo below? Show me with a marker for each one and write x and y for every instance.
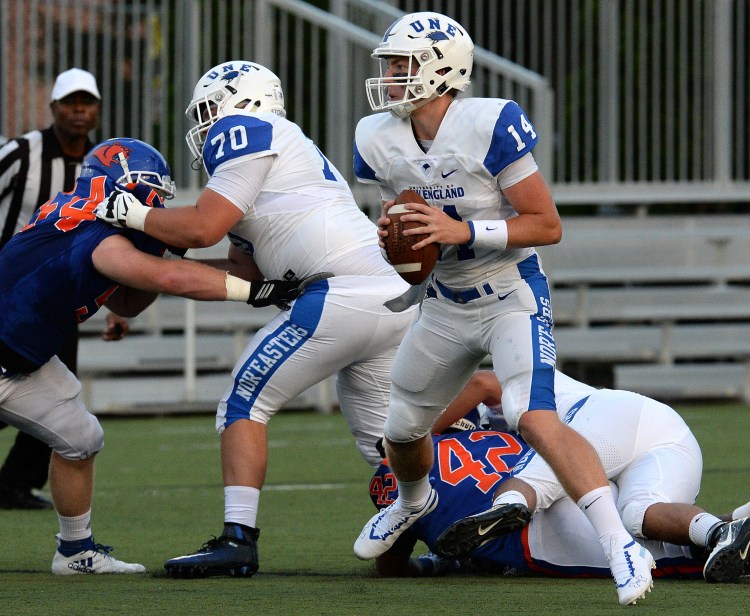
(652, 97)
(636, 101)
(340, 43)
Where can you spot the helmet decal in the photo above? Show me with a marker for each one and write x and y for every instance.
(108, 153)
(129, 161)
(231, 75)
(437, 36)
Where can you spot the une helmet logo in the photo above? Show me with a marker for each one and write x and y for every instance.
(229, 76)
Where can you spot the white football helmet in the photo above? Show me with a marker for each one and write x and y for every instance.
(236, 87)
(433, 43)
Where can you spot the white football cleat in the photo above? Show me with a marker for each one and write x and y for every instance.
(94, 558)
(381, 532)
(631, 567)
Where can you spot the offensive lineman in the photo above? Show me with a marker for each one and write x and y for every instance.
(471, 160)
(287, 209)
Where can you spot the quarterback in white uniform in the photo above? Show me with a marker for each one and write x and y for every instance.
(289, 213)
(488, 207)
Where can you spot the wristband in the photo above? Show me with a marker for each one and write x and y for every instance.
(238, 290)
(489, 234)
(136, 216)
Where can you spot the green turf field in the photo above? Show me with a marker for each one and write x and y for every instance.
(159, 495)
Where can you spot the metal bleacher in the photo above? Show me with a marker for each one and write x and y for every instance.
(663, 301)
(659, 302)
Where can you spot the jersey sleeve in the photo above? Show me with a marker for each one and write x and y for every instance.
(241, 180)
(236, 136)
(512, 138)
(364, 172)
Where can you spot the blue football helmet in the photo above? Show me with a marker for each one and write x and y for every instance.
(129, 161)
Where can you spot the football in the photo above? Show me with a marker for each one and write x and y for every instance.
(412, 265)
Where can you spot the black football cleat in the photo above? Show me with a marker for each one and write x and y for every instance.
(235, 554)
(22, 498)
(730, 557)
(467, 534)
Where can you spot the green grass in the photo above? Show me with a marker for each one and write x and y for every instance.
(159, 494)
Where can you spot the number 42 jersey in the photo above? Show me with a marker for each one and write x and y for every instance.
(468, 468)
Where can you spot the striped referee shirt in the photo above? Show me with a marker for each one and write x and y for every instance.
(33, 169)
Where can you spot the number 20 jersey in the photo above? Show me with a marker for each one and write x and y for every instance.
(477, 139)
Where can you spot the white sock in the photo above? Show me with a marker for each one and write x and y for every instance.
(599, 507)
(413, 494)
(511, 497)
(241, 505)
(741, 512)
(701, 527)
(75, 528)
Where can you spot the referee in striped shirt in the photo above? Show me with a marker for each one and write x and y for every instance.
(33, 169)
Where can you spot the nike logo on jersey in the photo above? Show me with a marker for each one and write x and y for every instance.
(483, 530)
(502, 297)
(445, 175)
(591, 503)
(743, 553)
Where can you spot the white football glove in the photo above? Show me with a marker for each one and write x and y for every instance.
(122, 209)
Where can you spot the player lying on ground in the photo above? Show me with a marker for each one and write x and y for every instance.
(57, 272)
(470, 466)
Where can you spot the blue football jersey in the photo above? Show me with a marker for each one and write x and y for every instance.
(468, 468)
(48, 283)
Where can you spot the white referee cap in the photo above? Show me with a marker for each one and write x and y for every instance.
(74, 80)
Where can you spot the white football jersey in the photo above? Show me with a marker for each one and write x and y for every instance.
(477, 139)
(304, 219)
